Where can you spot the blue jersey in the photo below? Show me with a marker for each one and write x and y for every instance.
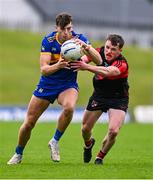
(51, 45)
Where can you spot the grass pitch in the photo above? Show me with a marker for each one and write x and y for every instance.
(131, 156)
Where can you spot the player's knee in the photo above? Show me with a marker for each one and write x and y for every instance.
(29, 126)
(68, 110)
(85, 128)
(113, 132)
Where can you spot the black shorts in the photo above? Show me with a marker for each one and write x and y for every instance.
(104, 104)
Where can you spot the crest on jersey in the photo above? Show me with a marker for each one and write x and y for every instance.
(50, 39)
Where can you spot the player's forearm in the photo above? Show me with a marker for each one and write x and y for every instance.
(47, 69)
(104, 71)
(97, 70)
(96, 58)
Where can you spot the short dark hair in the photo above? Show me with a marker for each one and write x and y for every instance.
(63, 19)
(116, 40)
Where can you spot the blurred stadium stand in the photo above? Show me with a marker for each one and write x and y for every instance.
(96, 18)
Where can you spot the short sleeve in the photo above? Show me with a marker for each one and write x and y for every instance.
(121, 65)
(85, 39)
(45, 46)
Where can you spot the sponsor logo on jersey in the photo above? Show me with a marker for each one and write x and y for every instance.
(54, 49)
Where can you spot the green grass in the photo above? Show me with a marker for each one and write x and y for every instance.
(140, 75)
(131, 156)
(19, 70)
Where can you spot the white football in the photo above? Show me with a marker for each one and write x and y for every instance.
(71, 51)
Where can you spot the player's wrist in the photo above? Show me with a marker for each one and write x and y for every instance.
(87, 48)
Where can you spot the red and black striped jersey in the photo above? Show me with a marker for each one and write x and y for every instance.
(112, 86)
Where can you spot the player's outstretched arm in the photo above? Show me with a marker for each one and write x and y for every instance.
(101, 70)
(104, 71)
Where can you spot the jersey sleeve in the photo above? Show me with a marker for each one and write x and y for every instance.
(98, 50)
(45, 47)
(121, 65)
(83, 38)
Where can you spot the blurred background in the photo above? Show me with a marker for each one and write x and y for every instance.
(23, 24)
